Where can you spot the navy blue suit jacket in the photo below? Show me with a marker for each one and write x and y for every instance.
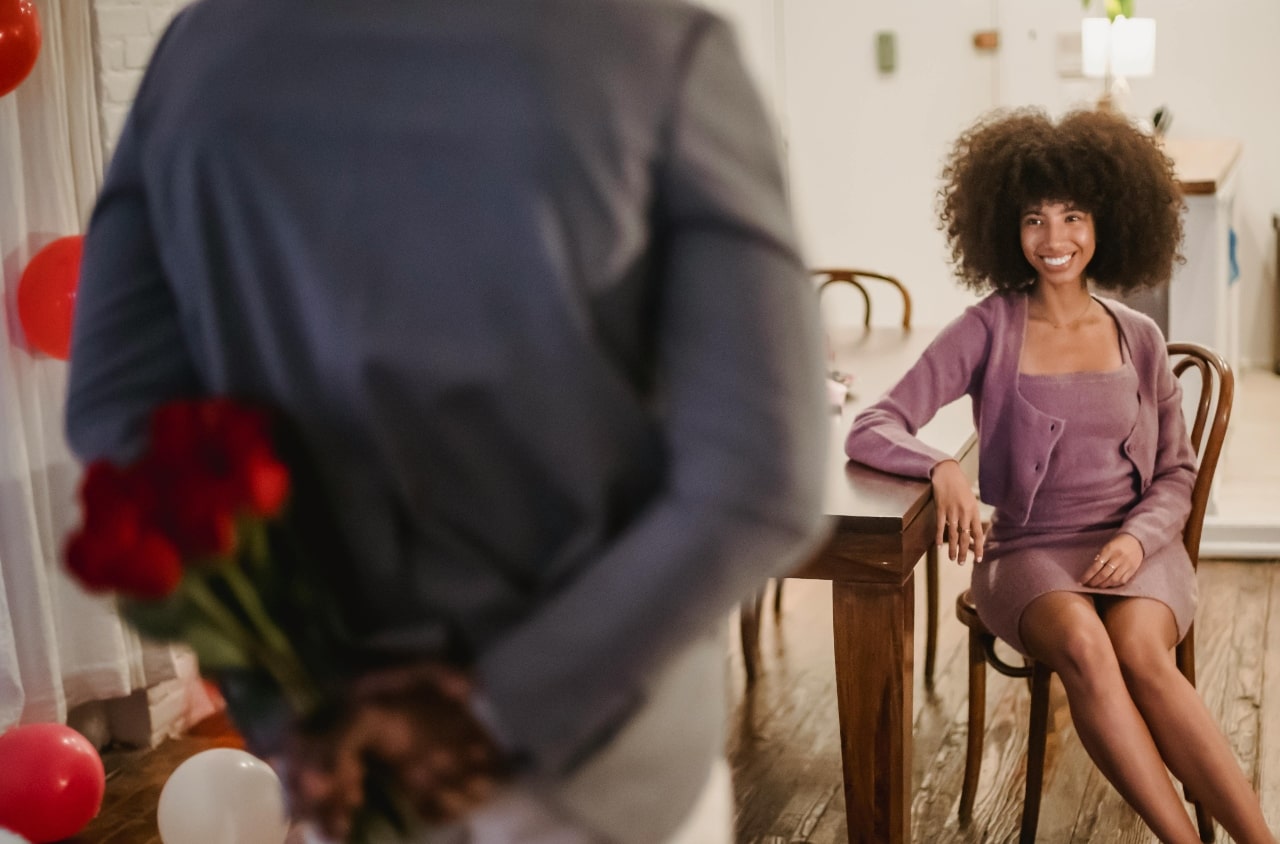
(523, 273)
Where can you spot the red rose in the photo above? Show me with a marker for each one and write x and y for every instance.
(264, 483)
(174, 428)
(149, 568)
(156, 568)
(217, 443)
(208, 462)
(241, 438)
(109, 504)
(238, 429)
(103, 483)
(89, 557)
(199, 514)
(107, 491)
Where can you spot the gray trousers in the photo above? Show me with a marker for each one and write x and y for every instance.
(661, 780)
(517, 818)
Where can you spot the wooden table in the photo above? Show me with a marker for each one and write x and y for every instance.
(883, 526)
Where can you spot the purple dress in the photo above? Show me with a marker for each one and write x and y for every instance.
(1089, 487)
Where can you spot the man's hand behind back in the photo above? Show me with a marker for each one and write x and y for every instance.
(411, 725)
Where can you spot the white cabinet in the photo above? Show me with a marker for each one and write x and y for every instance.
(1204, 298)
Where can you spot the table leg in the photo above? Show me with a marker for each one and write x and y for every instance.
(874, 650)
(749, 632)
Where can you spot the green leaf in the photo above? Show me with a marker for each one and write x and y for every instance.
(164, 619)
(215, 649)
(1115, 8)
(174, 619)
(180, 618)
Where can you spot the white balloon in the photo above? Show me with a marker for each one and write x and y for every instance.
(7, 837)
(222, 796)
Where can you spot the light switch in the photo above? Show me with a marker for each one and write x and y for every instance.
(886, 52)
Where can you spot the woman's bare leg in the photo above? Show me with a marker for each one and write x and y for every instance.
(1063, 630)
(1143, 632)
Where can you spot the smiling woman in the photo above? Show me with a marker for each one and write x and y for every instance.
(1058, 240)
(1096, 161)
(1085, 454)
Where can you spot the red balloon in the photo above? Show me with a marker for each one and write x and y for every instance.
(19, 42)
(51, 782)
(47, 295)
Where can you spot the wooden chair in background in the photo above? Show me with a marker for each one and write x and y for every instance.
(826, 277)
(1213, 412)
(750, 611)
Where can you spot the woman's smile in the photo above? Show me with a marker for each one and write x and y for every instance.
(1057, 240)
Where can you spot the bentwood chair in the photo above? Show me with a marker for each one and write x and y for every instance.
(1213, 412)
(749, 614)
(827, 277)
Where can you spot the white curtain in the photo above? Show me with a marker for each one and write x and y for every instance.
(59, 647)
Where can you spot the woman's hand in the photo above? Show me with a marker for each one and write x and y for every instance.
(1115, 564)
(411, 724)
(959, 519)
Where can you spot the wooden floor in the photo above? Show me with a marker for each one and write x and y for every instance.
(784, 741)
(135, 779)
(784, 746)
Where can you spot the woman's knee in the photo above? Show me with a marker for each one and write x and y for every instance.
(1084, 651)
(1142, 633)
(1065, 633)
(1147, 665)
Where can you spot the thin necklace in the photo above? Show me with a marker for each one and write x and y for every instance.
(1074, 319)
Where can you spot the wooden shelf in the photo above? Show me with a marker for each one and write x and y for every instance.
(1202, 164)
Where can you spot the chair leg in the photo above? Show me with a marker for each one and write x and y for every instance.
(1204, 823)
(931, 612)
(977, 726)
(1037, 736)
(777, 598)
(749, 629)
(1186, 655)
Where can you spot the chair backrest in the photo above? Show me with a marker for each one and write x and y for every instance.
(1208, 428)
(827, 276)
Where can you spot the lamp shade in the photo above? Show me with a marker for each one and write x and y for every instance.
(1095, 47)
(1133, 46)
(1124, 47)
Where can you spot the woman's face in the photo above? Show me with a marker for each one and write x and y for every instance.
(1058, 241)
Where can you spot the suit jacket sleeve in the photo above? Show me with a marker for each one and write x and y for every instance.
(1161, 514)
(884, 435)
(739, 357)
(128, 353)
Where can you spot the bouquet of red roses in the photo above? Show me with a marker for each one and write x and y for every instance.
(198, 540)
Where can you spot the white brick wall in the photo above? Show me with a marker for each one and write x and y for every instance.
(127, 33)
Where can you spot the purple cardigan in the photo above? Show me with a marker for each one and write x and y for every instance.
(977, 354)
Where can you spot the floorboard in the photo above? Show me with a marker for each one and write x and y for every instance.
(783, 769)
(783, 739)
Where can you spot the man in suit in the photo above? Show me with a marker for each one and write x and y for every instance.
(523, 275)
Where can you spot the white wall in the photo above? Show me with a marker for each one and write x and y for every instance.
(127, 33)
(865, 148)
(1218, 71)
(1218, 68)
